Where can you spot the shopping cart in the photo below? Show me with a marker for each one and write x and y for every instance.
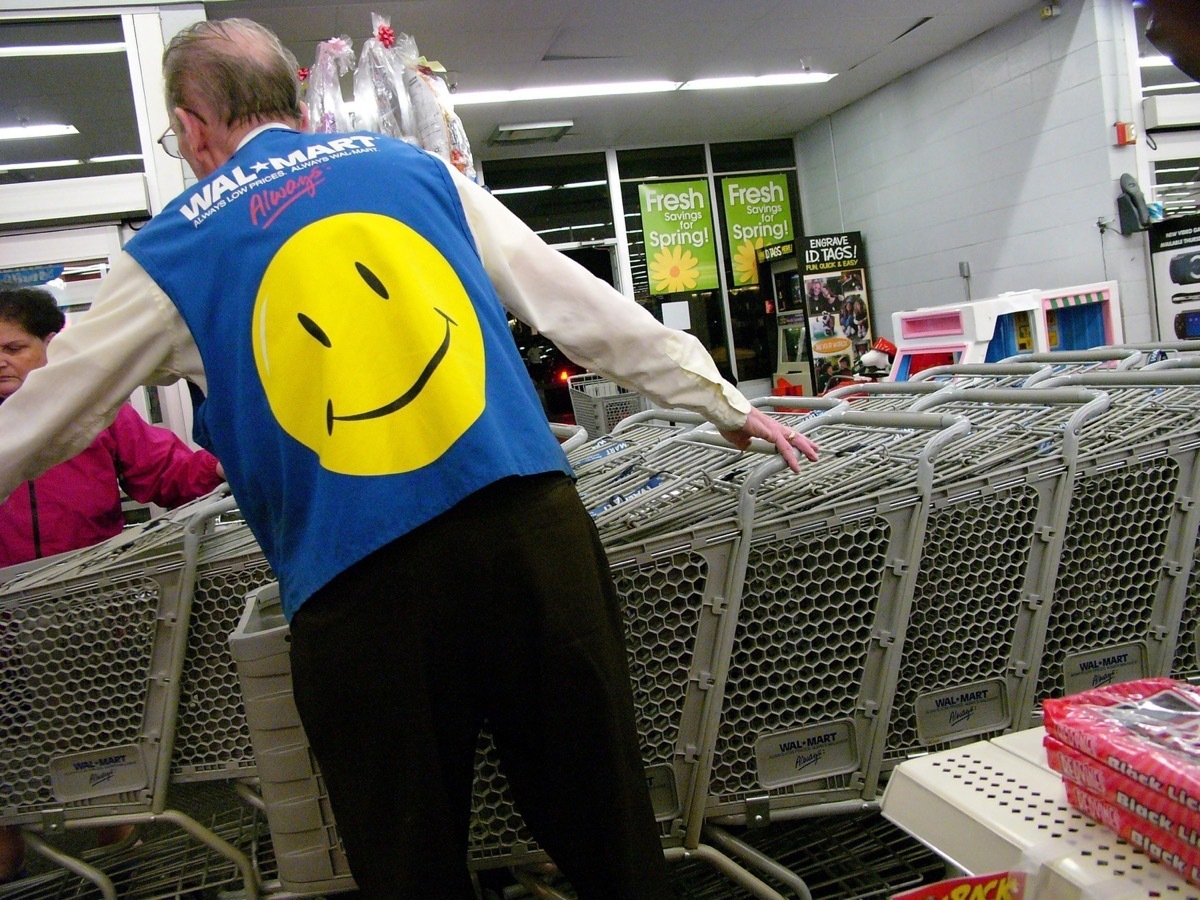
(599, 404)
(825, 566)
(989, 553)
(1166, 354)
(631, 439)
(1013, 374)
(303, 831)
(93, 649)
(1124, 602)
(569, 436)
(1096, 358)
(673, 549)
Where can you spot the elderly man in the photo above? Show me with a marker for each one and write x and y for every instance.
(340, 300)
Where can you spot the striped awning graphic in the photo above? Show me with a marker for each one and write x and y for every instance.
(1077, 299)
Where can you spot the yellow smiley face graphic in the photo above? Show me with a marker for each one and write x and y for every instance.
(368, 346)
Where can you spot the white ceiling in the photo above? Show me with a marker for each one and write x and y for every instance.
(504, 44)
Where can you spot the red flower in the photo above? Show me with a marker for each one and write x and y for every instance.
(302, 74)
(386, 36)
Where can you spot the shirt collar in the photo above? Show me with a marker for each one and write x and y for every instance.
(251, 135)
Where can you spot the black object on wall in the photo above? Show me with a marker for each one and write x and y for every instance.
(1132, 212)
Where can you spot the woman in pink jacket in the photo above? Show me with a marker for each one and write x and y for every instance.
(78, 503)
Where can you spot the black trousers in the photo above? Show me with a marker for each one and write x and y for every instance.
(502, 608)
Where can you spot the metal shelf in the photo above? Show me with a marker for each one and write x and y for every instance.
(996, 805)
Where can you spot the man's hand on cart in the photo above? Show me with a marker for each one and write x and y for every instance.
(760, 425)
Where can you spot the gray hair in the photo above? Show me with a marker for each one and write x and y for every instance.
(235, 67)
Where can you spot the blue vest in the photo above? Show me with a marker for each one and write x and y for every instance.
(362, 377)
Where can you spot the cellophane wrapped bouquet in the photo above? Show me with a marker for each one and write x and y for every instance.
(397, 92)
(380, 99)
(323, 90)
(439, 129)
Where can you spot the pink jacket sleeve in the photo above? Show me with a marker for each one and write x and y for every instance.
(155, 466)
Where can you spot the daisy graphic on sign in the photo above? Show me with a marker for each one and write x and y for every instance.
(674, 269)
(745, 262)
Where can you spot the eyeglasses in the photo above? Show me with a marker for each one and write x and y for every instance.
(170, 144)
(170, 140)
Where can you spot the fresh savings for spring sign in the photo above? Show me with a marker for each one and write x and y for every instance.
(757, 214)
(678, 229)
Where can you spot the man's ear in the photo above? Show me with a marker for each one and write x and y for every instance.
(303, 116)
(186, 121)
(47, 338)
(199, 137)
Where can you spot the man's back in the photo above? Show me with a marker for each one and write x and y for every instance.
(361, 374)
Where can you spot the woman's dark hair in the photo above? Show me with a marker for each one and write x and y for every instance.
(33, 309)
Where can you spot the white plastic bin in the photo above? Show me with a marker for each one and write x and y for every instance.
(303, 832)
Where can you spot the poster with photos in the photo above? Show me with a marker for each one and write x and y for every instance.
(837, 302)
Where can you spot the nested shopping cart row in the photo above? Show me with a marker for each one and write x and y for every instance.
(967, 545)
(681, 579)
(885, 603)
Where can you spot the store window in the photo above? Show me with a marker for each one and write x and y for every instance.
(1177, 185)
(694, 270)
(751, 156)
(636, 167)
(73, 73)
(563, 198)
(757, 202)
(666, 277)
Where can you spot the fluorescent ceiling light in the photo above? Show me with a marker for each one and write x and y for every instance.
(531, 189)
(744, 81)
(58, 163)
(564, 91)
(22, 132)
(1155, 62)
(62, 50)
(538, 188)
(531, 132)
(623, 88)
(571, 228)
(575, 245)
(47, 164)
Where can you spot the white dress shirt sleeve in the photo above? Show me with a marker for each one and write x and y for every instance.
(132, 335)
(595, 325)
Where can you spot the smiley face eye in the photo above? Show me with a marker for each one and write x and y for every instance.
(315, 330)
(372, 280)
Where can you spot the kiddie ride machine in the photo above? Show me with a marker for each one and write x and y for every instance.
(995, 328)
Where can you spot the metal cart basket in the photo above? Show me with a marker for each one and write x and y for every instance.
(599, 404)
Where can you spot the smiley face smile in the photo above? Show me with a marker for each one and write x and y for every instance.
(408, 396)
